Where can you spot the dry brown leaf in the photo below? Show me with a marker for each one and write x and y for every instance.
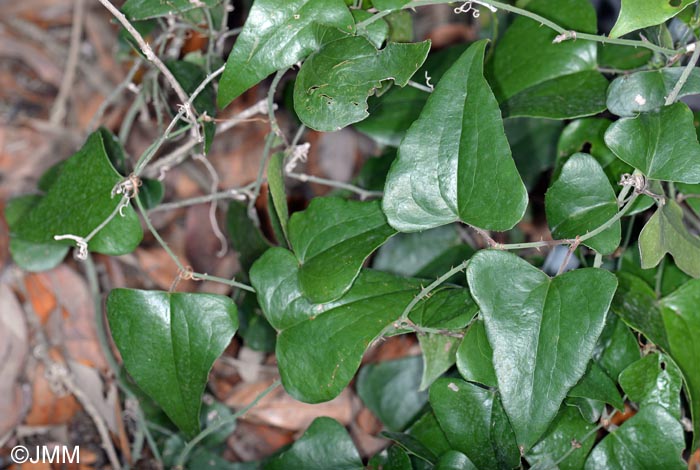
(13, 353)
(252, 441)
(694, 461)
(281, 410)
(47, 407)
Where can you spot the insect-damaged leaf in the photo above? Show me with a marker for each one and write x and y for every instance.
(276, 36)
(665, 145)
(332, 238)
(455, 162)
(169, 342)
(333, 85)
(79, 201)
(638, 14)
(542, 332)
(654, 380)
(582, 200)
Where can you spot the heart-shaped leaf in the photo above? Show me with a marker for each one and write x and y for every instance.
(665, 145)
(454, 157)
(646, 91)
(532, 76)
(650, 440)
(475, 423)
(666, 233)
(276, 36)
(582, 200)
(682, 320)
(79, 201)
(568, 426)
(332, 238)
(325, 444)
(169, 342)
(333, 85)
(638, 14)
(654, 380)
(542, 332)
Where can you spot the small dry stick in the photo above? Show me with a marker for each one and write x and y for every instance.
(58, 110)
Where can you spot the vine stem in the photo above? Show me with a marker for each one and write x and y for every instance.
(671, 98)
(363, 193)
(182, 458)
(58, 110)
(176, 260)
(233, 193)
(155, 60)
(564, 34)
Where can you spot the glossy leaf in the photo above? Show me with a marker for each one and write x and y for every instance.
(682, 321)
(393, 458)
(428, 432)
(320, 346)
(169, 342)
(31, 256)
(638, 14)
(654, 380)
(590, 410)
(475, 423)
(85, 182)
(454, 156)
(542, 332)
(567, 427)
(666, 233)
(617, 347)
(532, 76)
(582, 200)
(376, 32)
(275, 181)
(278, 35)
(137, 10)
(475, 356)
(447, 308)
(650, 440)
(390, 390)
(454, 460)
(325, 444)
(412, 446)
(439, 353)
(597, 385)
(664, 147)
(635, 302)
(332, 238)
(646, 91)
(333, 85)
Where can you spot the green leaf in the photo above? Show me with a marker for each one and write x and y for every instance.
(390, 390)
(590, 410)
(569, 96)
(169, 342)
(190, 76)
(693, 193)
(320, 346)
(646, 91)
(447, 308)
(666, 233)
(475, 356)
(534, 146)
(413, 446)
(682, 320)
(333, 85)
(438, 356)
(532, 76)
(79, 201)
(454, 460)
(650, 440)
(31, 256)
(428, 432)
(638, 14)
(325, 444)
(393, 458)
(276, 36)
(332, 238)
(137, 10)
(454, 156)
(275, 181)
(475, 423)
(614, 56)
(635, 302)
(665, 145)
(582, 200)
(245, 237)
(151, 193)
(376, 32)
(597, 385)
(542, 332)
(617, 347)
(654, 380)
(392, 114)
(389, 4)
(567, 427)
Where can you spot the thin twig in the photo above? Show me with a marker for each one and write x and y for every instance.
(363, 193)
(58, 110)
(671, 98)
(214, 205)
(240, 194)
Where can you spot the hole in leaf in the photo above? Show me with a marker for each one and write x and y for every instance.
(586, 147)
(663, 365)
(675, 3)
